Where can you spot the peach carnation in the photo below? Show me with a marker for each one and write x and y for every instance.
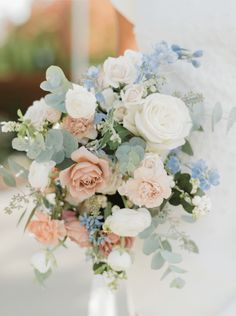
(75, 231)
(81, 128)
(88, 175)
(46, 230)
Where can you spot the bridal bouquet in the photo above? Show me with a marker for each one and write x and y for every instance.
(109, 164)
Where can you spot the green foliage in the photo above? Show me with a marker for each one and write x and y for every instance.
(7, 177)
(177, 283)
(171, 257)
(130, 154)
(231, 119)
(217, 114)
(17, 169)
(187, 148)
(157, 261)
(151, 244)
(57, 84)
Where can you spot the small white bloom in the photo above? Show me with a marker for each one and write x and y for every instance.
(39, 112)
(195, 183)
(128, 222)
(119, 111)
(8, 127)
(39, 174)
(134, 56)
(119, 261)
(202, 205)
(110, 97)
(42, 262)
(80, 103)
(118, 71)
(51, 197)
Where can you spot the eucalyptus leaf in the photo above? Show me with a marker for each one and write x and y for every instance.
(148, 231)
(166, 245)
(151, 244)
(20, 144)
(231, 119)
(177, 283)
(177, 269)
(18, 169)
(171, 257)
(157, 261)
(187, 148)
(7, 177)
(167, 272)
(217, 114)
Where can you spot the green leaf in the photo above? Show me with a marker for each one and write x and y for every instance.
(151, 244)
(183, 182)
(7, 177)
(187, 206)
(157, 261)
(36, 146)
(54, 140)
(18, 169)
(231, 119)
(30, 217)
(137, 141)
(177, 269)
(148, 231)
(175, 198)
(41, 277)
(187, 148)
(166, 245)
(20, 144)
(99, 267)
(21, 217)
(70, 143)
(217, 114)
(177, 283)
(167, 272)
(171, 257)
(190, 245)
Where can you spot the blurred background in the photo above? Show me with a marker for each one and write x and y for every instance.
(33, 35)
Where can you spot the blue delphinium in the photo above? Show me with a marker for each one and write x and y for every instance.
(185, 54)
(207, 177)
(93, 224)
(173, 164)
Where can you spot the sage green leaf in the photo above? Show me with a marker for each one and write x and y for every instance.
(157, 261)
(217, 114)
(166, 245)
(177, 269)
(18, 169)
(45, 155)
(36, 145)
(54, 140)
(58, 157)
(171, 257)
(187, 148)
(70, 143)
(148, 231)
(151, 244)
(183, 182)
(137, 141)
(177, 283)
(42, 277)
(175, 198)
(7, 177)
(20, 144)
(231, 119)
(167, 272)
(190, 245)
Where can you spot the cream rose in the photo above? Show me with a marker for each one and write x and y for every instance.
(132, 95)
(163, 121)
(39, 112)
(119, 70)
(39, 174)
(86, 176)
(128, 222)
(119, 261)
(109, 97)
(80, 103)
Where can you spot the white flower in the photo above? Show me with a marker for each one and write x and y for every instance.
(128, 222)
(51, 197)
(119, 261)
(39, 174)
(163, 121)
(39, 112)
(42, 261)
(110, 97)
(7, 127)
(202, 205)
(119, 111)
(119, 70)
(80, 103)
(132, 95)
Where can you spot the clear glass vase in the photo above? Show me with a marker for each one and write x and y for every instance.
(105, 302)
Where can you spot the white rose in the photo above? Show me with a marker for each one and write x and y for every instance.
(119, 111)
(128, 222)
(39, 174)
(39, 112)
(119, 70)
(109, 97)
(80, 103)
(119, 261)
(163, 121)
(132, 95)
(42, 261)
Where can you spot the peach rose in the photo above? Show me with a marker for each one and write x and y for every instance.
(75, 231)
(147, 188)
(46, 230)
(113, 240)
(88, 175)
(81, 128)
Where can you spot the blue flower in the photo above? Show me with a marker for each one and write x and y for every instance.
(173, 164)
(207, 177)
(91, 222)
(93, 72)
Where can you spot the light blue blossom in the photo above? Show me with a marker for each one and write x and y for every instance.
(173, 164)
(185, 54)
(207, 177)
(93, 225)
(93, 72)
